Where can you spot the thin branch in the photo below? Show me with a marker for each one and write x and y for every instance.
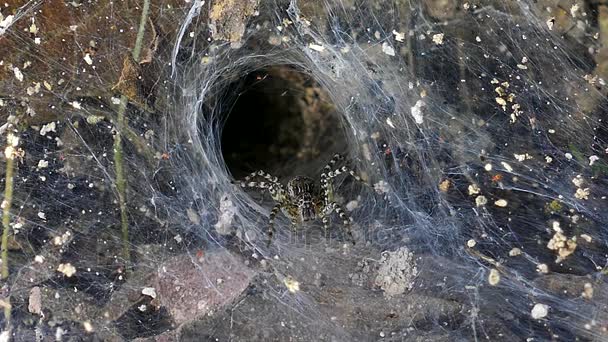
(121, 181)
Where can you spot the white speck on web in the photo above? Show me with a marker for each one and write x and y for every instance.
(573, 10)
(480, 201)
(292, 285)
(5, 23)
(33, 28)
(438, 38)
(316, 47)
(67, 269)
(18, 74)
(416, 112)
(507, 166)
(501, 203)
(522, 157)
(399, 36)
(387, 49)
(540, 311)
(578, 181)
(542, 268)
(149, 291)
(87, 58)
(50, 127)
(473, 189)
(494, 277)
(381, 187)
(593, 159)
(582, 193)
(515, 252)
(227, 213)
(550, 23)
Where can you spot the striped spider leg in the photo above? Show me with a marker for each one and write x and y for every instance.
(329, 205)
(277, 192)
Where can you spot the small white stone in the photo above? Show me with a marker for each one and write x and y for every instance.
(88, 327)
(87, 58)
(387, 49)
(501, 203)
(399, 36)
(593, 159)
(50, 127)
(149, 291)
(494, 277)
(473, 189)
(316, 47)
(540, 311)
(18, 74)
(481, 201)
(438, 38)
(515, 252)
(67, 269)
(416, 112)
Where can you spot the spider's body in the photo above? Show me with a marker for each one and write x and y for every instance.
(301, 201)
(301, 193)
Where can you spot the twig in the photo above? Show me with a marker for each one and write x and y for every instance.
(10, 154)
(121, 181)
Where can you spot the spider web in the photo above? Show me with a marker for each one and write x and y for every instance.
(479, 126)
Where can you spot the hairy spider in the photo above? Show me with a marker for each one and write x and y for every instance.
(301, 202)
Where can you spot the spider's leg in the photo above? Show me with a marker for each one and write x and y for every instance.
(325, 220)
(330, 165)
(263, 174)
(273, 215)
(345, 220)
(344, 169)
(326, 188)
(259, 185)
(270, 182)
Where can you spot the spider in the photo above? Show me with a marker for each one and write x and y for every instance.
(300, 202)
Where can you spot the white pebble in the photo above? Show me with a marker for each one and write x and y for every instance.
(540, 311)
(149, 291)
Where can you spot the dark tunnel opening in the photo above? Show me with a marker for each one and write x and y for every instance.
(281, 121)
